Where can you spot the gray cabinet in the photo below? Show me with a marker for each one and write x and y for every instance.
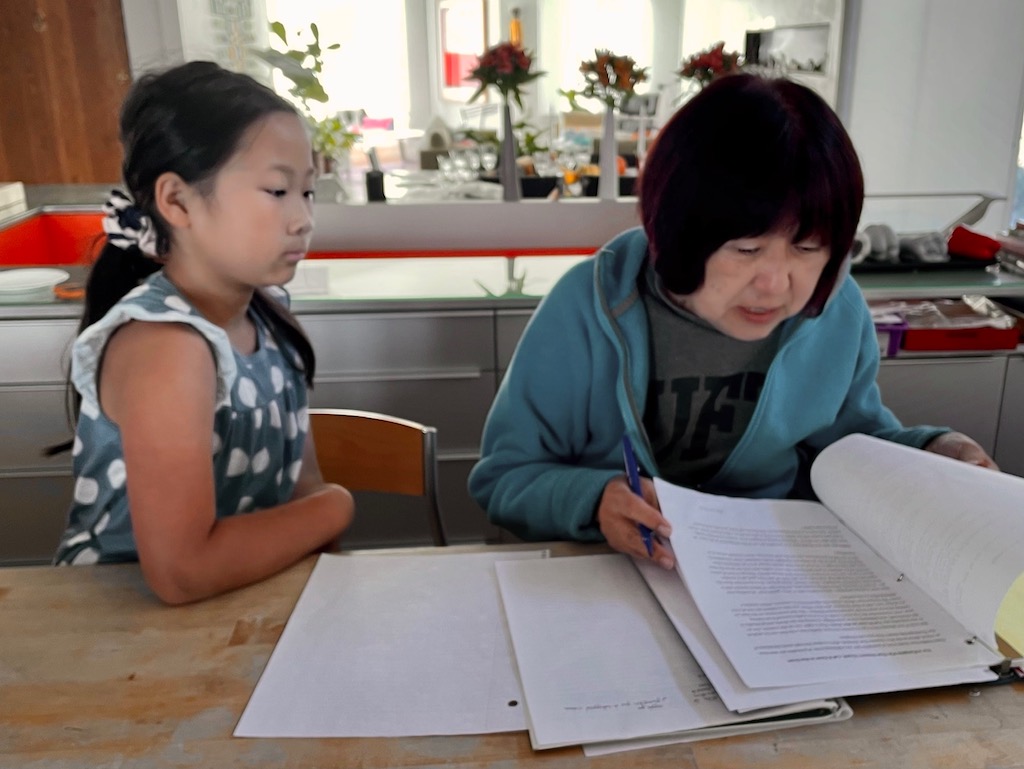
(509, 326)
(964, 393)
(1010, 442)
(437, 368)
(34, 490)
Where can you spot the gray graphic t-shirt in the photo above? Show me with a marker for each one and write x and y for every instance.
(703, 388)
(260, 426)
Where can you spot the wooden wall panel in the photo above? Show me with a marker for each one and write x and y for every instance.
(64, 66)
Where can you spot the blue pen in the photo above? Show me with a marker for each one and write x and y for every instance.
(633, 474)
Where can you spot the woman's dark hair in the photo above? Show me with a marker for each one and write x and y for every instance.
(749, 155)
(188, 120)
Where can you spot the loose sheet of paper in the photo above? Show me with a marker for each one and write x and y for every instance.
(597, 657)
(392, 645)
(794, 598)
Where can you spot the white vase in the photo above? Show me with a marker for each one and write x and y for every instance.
(508, 169)
(608, 180)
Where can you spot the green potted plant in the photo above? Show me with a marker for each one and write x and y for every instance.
(331, 138)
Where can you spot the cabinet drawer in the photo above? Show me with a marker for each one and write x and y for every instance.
(391, 520)
(33, 511)
(401, 342)
(963, 393)
(35, 351)
(1010, 441)
(455, 404)
(33, 418)
(509, 326)
(464, 519)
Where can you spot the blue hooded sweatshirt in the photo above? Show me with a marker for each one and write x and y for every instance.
(578, 379)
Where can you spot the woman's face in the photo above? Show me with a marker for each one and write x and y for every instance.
(753, 284)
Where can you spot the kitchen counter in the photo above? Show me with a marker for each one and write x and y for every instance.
(494, 282)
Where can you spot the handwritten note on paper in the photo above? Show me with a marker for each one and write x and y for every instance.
(392, 645)
(597, 657)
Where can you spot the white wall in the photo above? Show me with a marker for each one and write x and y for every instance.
(153, 34)
(936, 93)
(932, 91)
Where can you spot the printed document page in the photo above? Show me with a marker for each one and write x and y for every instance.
(390, 646)
(956, 530)
(795, 598)
(675, 599)
(597, 657)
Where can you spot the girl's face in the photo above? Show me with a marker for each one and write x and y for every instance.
(255, 227)
(753, 284)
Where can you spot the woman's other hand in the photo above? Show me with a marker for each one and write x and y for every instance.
(960, 446)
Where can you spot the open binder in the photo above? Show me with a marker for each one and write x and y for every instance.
(907, 575)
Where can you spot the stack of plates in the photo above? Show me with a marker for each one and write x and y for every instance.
(30, 284)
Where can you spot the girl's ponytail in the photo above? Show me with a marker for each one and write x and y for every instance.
(129, 256)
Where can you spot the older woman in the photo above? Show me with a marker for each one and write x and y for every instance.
(724, 337)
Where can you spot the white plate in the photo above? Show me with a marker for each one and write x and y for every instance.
(31, 284)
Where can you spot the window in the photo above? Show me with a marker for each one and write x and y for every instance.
(1017, 213)
(370, 69)
(462, 26)
(570, 29)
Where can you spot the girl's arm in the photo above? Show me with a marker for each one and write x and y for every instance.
(158, 383)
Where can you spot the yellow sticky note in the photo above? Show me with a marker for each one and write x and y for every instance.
(1010, 621)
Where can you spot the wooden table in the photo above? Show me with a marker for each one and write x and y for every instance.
(95, 672)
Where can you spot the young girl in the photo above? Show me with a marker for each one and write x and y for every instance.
(192, 451)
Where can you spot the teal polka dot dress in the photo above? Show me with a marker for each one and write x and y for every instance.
(260, 426)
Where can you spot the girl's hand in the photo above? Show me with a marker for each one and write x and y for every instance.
(959, 446)
(619, 512)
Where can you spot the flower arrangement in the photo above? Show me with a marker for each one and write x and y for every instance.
(611, 78)
(707, 65)
(506, 67)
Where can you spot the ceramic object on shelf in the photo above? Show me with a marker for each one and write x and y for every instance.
(608, 181)
(30, 284)
(508, 169)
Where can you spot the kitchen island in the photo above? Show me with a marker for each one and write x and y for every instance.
(405, 325)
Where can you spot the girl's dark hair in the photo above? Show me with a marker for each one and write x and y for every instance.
(188, 120)
(749, 155)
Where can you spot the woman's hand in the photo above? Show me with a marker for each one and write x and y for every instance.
(619, 512)
(959, 446)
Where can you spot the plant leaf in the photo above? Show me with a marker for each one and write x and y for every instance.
(478, 92)
(278, 29)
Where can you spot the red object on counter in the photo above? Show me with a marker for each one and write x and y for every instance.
(978, 338)
(50, 239)
(966, 242)
(63, 238)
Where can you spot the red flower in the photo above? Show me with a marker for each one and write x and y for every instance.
(507, 68)
(705, 66)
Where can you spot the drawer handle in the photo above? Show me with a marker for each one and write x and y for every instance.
(402, 376)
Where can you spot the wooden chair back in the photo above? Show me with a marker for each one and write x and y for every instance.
(369, 451)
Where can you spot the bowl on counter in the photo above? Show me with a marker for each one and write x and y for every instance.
(30, 284)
